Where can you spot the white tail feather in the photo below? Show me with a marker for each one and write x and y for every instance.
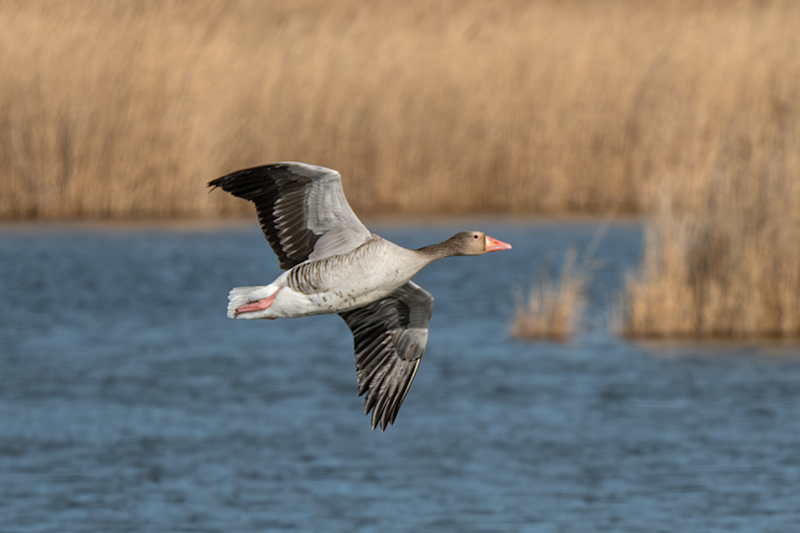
(240, 296)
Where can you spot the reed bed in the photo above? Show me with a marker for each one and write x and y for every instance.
(127, 108)
(553, 307)
(722, 256)
(730, 269)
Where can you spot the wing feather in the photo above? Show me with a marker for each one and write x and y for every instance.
(389, 338)
(302, 210)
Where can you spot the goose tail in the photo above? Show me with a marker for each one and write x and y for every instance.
(240, 296)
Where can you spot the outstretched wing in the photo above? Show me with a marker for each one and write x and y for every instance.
(389, 339)
(302, 209)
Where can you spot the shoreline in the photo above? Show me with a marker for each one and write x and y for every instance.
(225, 223)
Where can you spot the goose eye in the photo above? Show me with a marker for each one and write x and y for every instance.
(475, 236)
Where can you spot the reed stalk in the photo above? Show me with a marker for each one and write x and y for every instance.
(553, 307)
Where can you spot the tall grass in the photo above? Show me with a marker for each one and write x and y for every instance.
(729, 268)
(553, 306)
(126, 108)
(722, 254)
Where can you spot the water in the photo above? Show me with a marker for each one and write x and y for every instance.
(128, 402)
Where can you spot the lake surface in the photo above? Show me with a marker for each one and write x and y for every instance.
(129, 402)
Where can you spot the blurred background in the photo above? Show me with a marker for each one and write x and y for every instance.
(127, 109)
(643, 158)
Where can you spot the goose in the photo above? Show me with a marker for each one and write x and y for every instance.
(334, 264)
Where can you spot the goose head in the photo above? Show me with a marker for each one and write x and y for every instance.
(466, 243)
(476, 243)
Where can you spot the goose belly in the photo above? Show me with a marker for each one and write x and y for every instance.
(342, 282)
(291, 303)
(310, 293)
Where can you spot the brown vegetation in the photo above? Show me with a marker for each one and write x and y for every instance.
(722, 254)
(728, 268)
(128, 108)
(553, 307)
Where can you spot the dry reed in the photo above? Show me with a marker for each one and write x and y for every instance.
(553, 307)
(731, 269)
(127, 108)
(722, 256)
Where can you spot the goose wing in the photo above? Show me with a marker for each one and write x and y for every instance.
(302, 210)
(389, 339)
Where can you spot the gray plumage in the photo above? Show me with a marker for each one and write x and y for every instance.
(302, 209)
(334, 264)
(389, 336)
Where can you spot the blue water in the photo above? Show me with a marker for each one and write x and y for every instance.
(128, 402)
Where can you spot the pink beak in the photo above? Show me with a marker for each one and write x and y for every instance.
(493, 245)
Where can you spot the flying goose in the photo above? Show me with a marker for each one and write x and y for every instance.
(334, 264)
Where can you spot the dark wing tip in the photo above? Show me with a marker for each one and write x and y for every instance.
(227, 181)
(213, 184)
(386, 386)
(248, 183)
(389, 338)
(385, 408)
